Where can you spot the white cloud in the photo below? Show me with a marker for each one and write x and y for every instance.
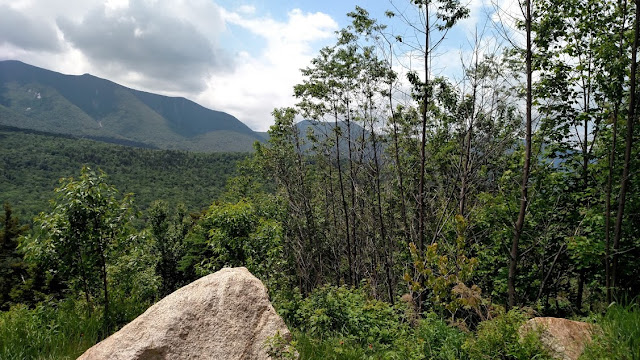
(129, 49)
(247, 9)
(260, 84)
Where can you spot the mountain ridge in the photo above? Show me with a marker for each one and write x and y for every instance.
(89, 106)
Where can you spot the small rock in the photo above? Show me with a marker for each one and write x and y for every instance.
(225, 315)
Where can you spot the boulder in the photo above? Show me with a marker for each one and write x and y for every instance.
(225, 315)
(565, 339)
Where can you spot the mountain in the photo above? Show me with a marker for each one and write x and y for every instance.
(88, 106)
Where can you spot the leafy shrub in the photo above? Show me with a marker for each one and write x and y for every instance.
(350, 314)
(498, 338)
(437, 340)
(236, 234)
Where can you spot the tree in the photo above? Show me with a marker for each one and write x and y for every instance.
(168, 232)
(524, 200)
(12, 267)
(631, 118)
(244, 233)
(80, 235)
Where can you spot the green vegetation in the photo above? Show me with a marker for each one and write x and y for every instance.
(48, 331)
(620, 336)
(32, 163)
(421, 228)
(57, 330)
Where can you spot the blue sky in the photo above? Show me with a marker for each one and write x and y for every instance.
(242, 57)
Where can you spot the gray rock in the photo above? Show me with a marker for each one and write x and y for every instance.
(225, 315)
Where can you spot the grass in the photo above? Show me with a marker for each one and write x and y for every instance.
(620, 337)
(58, 330)
(50, 331)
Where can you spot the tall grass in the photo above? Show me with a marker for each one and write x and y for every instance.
(50, 331)
(59, 330)
(620, 336)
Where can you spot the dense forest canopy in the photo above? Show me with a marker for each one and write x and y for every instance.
(33, 163)
(417, 203)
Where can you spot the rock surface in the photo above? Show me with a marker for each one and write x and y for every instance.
(564, 338)
(225, 315)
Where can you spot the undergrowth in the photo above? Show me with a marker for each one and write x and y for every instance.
(620, 335)
(58, 330)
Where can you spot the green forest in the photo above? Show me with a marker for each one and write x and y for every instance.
(33, 163)
(452, 214)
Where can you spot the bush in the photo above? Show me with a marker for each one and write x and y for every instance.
(344, 323)
(348, 313)
(498, 338)
(438, 340)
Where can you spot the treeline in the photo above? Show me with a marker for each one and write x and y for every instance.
(33, 162)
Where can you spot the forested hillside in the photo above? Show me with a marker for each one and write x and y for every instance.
(33, 163)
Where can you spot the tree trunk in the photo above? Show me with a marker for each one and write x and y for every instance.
(612, 157)
(343, 200)
(525, 172)
(624, 181)
(423, 137)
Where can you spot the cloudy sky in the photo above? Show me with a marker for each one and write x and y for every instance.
(238, 56)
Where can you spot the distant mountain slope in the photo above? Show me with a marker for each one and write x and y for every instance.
(32, 162)
(39, 99)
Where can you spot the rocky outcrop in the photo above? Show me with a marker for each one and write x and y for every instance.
(565, 339)
(225, 315)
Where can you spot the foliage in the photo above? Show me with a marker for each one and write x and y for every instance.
(434, 339)
(350, 314)
(442, 275)
(345, 323)
(12, 266)
(168, 246)
(82, 234)
(237, 234)
(498, 338)
(59, 330)
(49, 331)
(33, 162)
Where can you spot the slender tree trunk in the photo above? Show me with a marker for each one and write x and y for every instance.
(103, 265)
(353, 211)
(468, 138)
(396, 153)
(513, 261)
(387, 243)
(624, 181)
(423, 144)
(423, 137)
(544, 281)
(345, 208)
(585, 171)
(607, 226)
(612, 157)
(85, 283)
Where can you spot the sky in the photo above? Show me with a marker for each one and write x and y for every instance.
(238, 56)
